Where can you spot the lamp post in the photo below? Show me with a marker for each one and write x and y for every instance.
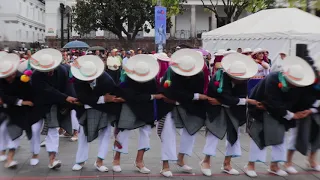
(62, 10)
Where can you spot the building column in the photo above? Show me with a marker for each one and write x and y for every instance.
(193, 33)
(173, 27)
(214, 23)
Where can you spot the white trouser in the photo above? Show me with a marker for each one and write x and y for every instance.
(35, 140)
(11, 144)
(278, 153)
(74, 120)
(3, 136)
(52, 140)
(212, 141)
(168, 140)
(144, 139)
(83, 145)
(186, 142)
(292, 139)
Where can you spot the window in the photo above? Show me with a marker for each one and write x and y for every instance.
(27, 35)
(27, 9)
(20, 10)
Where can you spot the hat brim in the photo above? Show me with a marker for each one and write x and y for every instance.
(153, 67)
(94, 59)
(256, 52)
(251, 66)
(199, 61)
(309, 74)
(3, 53)
(15, 59)
(56, 56)
(23, 66)
(162, 58)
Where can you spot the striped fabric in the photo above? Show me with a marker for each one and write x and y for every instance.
(45, 128)
(160, 126)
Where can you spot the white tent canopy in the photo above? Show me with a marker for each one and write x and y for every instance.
(274, 29)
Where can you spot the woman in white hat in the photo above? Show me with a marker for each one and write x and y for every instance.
(277, 65)
(263, 68)
(51, 82)
(139, 89)
(247, 51)
(113, 66)
(164, 62)
(218, 56)
(17, 97)
(280, 100)
(100, 109)
(228, 87)
(184, 85)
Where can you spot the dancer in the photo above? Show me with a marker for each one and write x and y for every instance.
(50, 82)
(183, 84)
(226, 110)
(304, 138)
(263, 69)
(278, 97)
(17, 95)
(94, 87)
(139, 90)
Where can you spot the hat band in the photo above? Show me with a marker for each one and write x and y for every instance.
(183, 70)
(8, 71)
(235, 74)
(292, 77)
(78, 66)
(135, 72)
(37, 63)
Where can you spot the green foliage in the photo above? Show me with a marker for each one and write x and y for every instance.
(257, 5)
(303, 4)
(115, 15)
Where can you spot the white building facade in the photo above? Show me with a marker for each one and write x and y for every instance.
(22, 22)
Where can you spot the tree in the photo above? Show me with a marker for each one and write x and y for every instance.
(303, 4)
(234, 8)
(119, 16)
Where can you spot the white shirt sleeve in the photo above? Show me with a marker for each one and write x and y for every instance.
(87, 106)
(101, 100)
(316, 104)
(152, 97)
(289, 115)
(196, 96)
(19, 103)
(242, 101)
(314, 110)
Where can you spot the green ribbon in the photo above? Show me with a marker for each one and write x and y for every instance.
(282, 79)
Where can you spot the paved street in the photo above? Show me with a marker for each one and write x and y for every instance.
(152, 160)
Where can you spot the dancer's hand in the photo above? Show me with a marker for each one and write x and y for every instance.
(27, 103)
(109, 98)
(203, 97)
(158, 96)
(71, 99)
(167, 100)
(213, 101)
(119, 100)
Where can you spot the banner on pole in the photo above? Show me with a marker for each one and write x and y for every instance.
(160, 25)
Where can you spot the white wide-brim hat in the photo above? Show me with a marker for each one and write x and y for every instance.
(23, 66)
(46, 60)
(162, 57)
(220, 52)
(87, 68)
(3, 53)
(239, 66)
(247, 50)
(187, 62)
(142, 68)
(8, 65)
(258, 50)
(225, 53)
(111, 61)
(297, 71)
